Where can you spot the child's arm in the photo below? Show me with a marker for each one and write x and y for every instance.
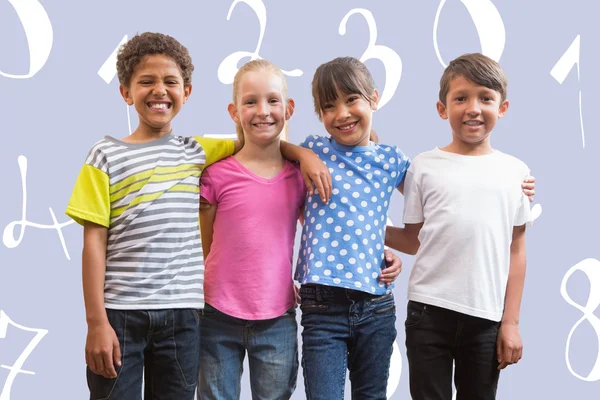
(313, 169)
(102, 348)
(509, 346)
(208, 211)
(404, 239)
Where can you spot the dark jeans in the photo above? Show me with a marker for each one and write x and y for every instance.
(435, 338)
(346, 328)
(272, 347)
(162, 346)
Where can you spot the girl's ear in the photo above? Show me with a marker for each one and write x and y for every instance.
(289, 109)
(232, 109)
(374, 100)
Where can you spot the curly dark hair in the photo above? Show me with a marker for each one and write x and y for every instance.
(132, 52)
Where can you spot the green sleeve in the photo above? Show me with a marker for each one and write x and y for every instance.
(90, 200)
(215, 149)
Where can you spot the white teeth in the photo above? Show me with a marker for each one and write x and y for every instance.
(159, 106)
(346, 127)
(473, 123)
(261, 125)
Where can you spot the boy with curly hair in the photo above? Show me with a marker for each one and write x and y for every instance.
(137, 199)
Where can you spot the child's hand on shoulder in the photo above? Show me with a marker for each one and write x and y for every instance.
(315, 172)
(394, 267)
(509, 346)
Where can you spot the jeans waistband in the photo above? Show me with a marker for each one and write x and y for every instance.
(322, 292)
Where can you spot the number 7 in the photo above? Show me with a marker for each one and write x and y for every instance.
(16, 368)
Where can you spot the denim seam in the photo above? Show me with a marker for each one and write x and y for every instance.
(175, 345)
(344, 369)
(306, 380)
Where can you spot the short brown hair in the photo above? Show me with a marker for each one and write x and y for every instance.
(345, 74)
(477, 68)
(141, 45)
(258, 65)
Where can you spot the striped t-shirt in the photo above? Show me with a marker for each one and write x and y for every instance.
(147, 195)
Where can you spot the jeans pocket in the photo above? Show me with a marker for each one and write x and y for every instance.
(496, 327)
(208, 310)
(291, 311)
(383, 304)
(414, 314)
(197, 314)
(101, 388)
(383, 310)
(184, 348)
(381, 298)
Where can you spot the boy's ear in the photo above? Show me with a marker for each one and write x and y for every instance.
(232, 109)
(126, 95)
(187, 91)
(503, 108)
(375, 100)
(441, 109)
(289, 110)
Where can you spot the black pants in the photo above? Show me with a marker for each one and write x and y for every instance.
(435, 338)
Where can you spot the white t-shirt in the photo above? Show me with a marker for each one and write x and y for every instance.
(468, 206)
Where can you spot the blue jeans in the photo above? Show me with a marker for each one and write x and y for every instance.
(160, 346)
(435, 338)
(346, 328)
(272, 347)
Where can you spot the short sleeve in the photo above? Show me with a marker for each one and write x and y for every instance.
(90, 200)
(207, 188)
(402, 163)
(413, 199)
(309, 142)
(215, 149)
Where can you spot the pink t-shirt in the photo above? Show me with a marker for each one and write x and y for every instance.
(248, 272)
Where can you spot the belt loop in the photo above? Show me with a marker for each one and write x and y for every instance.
(318, 293)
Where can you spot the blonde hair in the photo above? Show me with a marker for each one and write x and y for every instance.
(258, 65)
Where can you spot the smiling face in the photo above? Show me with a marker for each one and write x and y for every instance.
(472, 111)
(261, 107)
(348, 118)
(157, 92)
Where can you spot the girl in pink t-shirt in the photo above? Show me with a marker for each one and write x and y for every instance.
(248, 228)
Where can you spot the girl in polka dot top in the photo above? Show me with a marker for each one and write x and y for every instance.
(348, 310)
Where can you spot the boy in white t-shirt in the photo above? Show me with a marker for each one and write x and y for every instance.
(466, 214)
